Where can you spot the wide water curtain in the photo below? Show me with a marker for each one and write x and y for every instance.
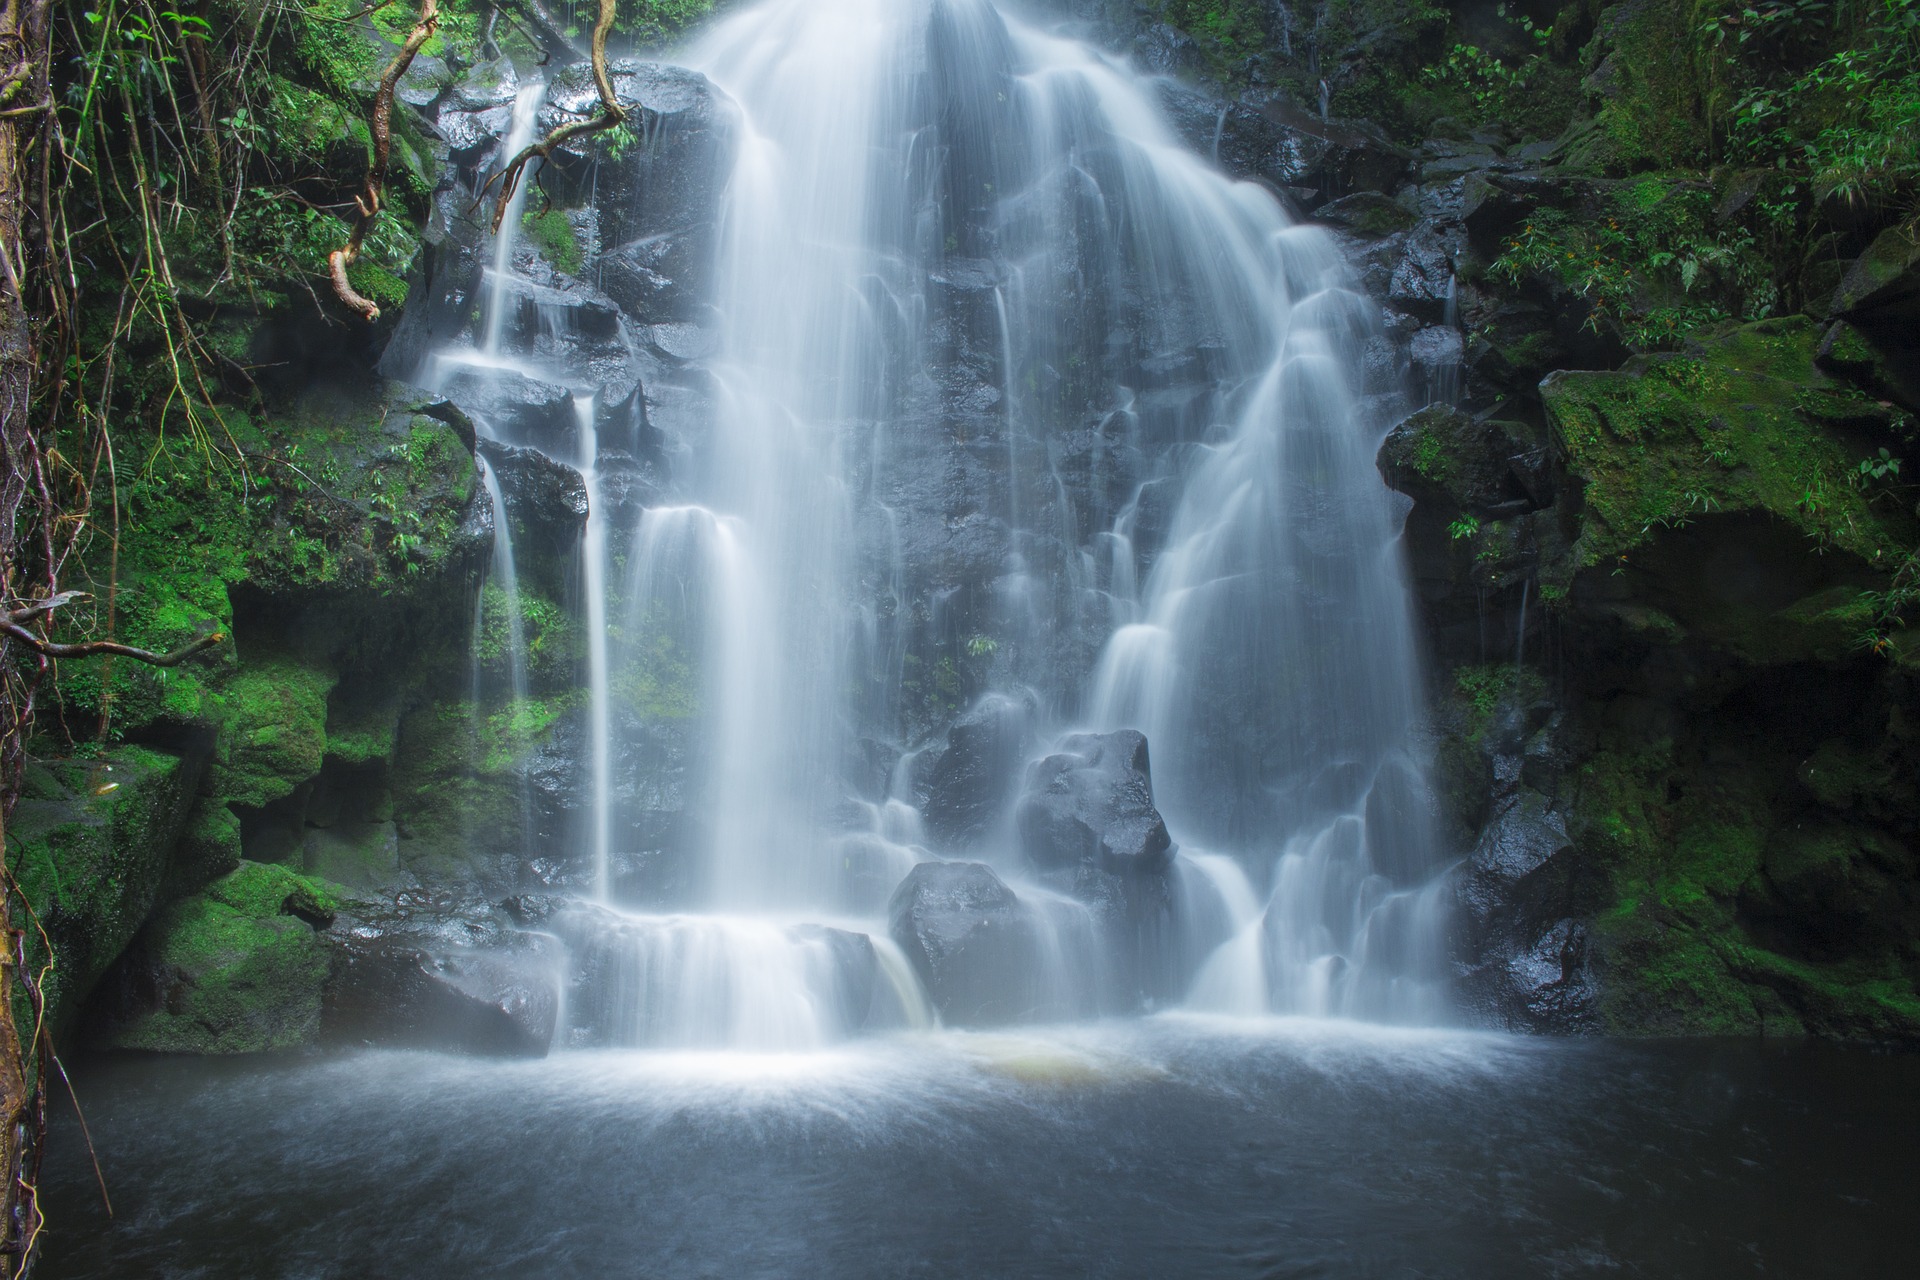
(925, 187)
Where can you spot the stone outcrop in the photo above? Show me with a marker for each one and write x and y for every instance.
(971, 941)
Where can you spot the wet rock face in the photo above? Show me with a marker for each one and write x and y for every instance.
(1529, 965)
(1308, 160)
(969, 938)
(658, 199)
(969, 786)
(1091, 804)
(265, 958)
(520, 410)
(546, 500)
(415, 971)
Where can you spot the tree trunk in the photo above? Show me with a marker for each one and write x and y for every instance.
(23, 98)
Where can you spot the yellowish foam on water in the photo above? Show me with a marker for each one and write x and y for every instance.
(1047, 1062)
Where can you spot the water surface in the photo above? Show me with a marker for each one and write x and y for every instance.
(1173, 1146)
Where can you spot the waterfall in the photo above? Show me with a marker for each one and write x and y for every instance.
(593, 578)
(525, 119)
(974, 304)
(508, 577)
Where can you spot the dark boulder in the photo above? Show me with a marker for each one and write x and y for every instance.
(1884, 282)
(1091, 803)
(969, 786)
(1367, 213)
(1293, 151)
(517, 409)
(432, 975)
(546, 501)
(1446, 459)
(970, 939)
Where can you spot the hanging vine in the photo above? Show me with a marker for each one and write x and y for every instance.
(368, 202)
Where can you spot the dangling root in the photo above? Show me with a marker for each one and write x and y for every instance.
(367, 204)
(611, 114)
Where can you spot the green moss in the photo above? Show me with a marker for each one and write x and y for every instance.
(273, 719)
(387, 290)
(1721, 429)
(1652, 87)
(1685, 855)
(209, 847)
(508, 734)
(1485, 690)
(553, 235)
(235, 968)
(89, 848)
(265, 889)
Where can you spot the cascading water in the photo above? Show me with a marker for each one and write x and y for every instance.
(506, 576)
(953, 240)
(526, 115)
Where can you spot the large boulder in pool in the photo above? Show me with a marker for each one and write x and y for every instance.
(436, 975)
(969, 786)
(1090, 803)
(970, 939)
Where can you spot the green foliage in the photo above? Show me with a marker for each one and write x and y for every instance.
(1660, 265)
(553, 642)
(553, 235)
(1849, 124)
(656, 22)
(1227, 31)
(1464, 527)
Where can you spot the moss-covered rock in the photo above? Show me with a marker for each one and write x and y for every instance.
(273, 731)
(89, 846)
(1886, 278)
(1740, 423)
(236, 968)
(1735, 911)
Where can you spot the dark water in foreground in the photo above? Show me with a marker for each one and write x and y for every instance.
(1166, 1148)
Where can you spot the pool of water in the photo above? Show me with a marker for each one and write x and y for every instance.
(1168, 1147)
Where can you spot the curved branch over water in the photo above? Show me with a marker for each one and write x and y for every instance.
(611, 114)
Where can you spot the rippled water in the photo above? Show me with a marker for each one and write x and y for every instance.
(1174, 1146)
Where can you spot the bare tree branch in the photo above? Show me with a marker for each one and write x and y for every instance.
(13, 626)
(97, 648)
